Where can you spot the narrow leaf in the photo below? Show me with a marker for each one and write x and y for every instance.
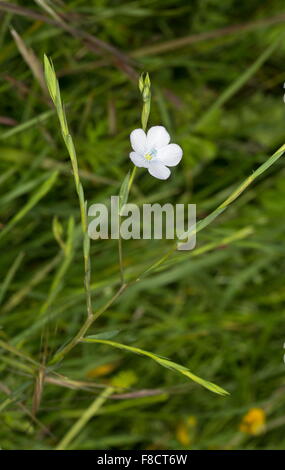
(163, 362)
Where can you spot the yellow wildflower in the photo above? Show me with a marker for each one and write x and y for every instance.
(253, 422)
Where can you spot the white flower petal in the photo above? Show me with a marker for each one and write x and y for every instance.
(138, 141)
(158, 170)
(138, 160)
(157, 137)
(170, 155)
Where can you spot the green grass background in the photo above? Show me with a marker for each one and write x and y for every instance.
(218, 310)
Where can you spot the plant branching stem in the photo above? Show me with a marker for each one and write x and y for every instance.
(200, 226)
(86, 325)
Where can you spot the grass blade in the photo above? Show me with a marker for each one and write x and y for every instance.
(35, 198)
(163, 362)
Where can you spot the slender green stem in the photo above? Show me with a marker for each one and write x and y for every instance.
(144, 86)
(54, 91)
(84, 418)
(120, 249)
(133, 174)
(10, 274)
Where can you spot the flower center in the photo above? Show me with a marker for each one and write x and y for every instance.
(149, 155)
